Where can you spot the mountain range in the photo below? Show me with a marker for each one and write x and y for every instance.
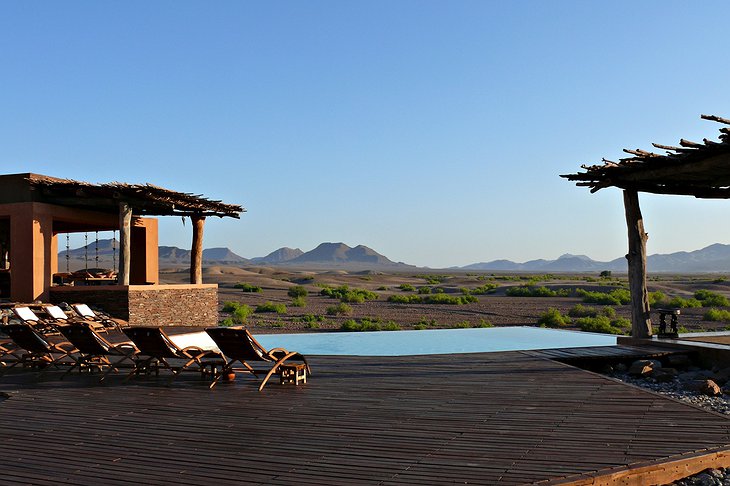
(714, 258)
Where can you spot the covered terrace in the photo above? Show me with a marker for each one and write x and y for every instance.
(699, 169)
(35, 209)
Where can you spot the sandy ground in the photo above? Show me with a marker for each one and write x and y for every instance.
(496, 308)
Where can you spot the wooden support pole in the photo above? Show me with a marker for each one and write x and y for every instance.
(125, 232)
(196, 253)
(640, 311)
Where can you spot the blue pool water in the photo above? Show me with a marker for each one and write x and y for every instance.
(435, 341)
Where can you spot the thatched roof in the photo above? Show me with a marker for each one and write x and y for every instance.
(145, 199)
(694, 169)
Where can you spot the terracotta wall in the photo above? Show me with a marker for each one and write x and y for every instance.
(149, 305)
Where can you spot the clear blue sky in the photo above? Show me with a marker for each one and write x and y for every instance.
(431, 131)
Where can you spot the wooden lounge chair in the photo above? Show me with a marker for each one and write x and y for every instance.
(85, 312)
(154, 343)
(39, 351)
(60, 318)
(239, 345)
(8, 349)
(93, 350)
(27, 316)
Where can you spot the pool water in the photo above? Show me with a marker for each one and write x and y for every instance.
(434, 341)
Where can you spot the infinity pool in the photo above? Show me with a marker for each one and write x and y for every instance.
(435, 341)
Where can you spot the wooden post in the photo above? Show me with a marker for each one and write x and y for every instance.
(640, 311)
(125, 231)
(196, 253)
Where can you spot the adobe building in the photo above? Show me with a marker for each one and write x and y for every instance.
(36, 209)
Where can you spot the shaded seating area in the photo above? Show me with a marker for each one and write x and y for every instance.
(156, 350)
(239, 345)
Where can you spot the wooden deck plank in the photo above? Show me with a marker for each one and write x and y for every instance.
(492, 418)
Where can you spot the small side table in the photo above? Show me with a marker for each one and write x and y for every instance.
(293, 373)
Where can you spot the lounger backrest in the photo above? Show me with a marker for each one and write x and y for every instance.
(25, 314)
(84, 310)
(237, 344)
(85, 339)
(152, 341)
(55, 312)
(24, 336)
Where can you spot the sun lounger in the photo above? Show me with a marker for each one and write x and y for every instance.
(157, 346)
(27, 316)
(239, 345)
(94, 351)
(39, 351)
(86, 313)
(8, 349)
(60, 318)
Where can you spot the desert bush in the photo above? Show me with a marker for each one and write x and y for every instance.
(484, 323)
(297, 291)
(432, 299)
(239, 313)
(711, 299)
(462, 325)
(553, 318)
(346, 294)
(681, 303)
(433, 279)
(368, 324)
(245, 287)
(534, 291)
(580, 310)
(382, 287)
(339, 309)
(407, 288)
(601, 324)
(484, 289)
(605, 274)
(716, 315)
(311, 318)
(424, 290)
(614, 297)
(227, 322)
(609, 312)
(657, 299)
(271, 307)
(299, 302)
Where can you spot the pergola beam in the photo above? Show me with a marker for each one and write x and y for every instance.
(125, 233)
(196, 253)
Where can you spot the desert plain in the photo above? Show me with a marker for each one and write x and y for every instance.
(321, 313)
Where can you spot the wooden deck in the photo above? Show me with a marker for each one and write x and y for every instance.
(492, 418)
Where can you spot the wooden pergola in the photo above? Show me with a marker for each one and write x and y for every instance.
(694, 169)
(140, 200)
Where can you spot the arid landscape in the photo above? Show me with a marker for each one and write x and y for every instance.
(492, 304)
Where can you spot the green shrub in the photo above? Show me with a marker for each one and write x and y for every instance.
(424, 290)
(534, 291)
(716, 315)
(407, 288)
(553, 318)
(615, 297)
(579, 310)
(609, 312)
(488, 288)
(484, 323)
(248, 287)
(432, 299)
(368, 324)
(657, 299)
(346, 294)
(680, 303)
(227, 322)
(311, 318)
(340, 309)
(433, 279)
(601, 324)
(299, 302)
(382, 287)
(711, 299)
(239, 313)
(271, 307)
(312, 325)
(462, 325)
(427, 322)
(296, 291)
(419, 327)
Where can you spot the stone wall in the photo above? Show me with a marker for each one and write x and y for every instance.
(174, 307)
(148, 305)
